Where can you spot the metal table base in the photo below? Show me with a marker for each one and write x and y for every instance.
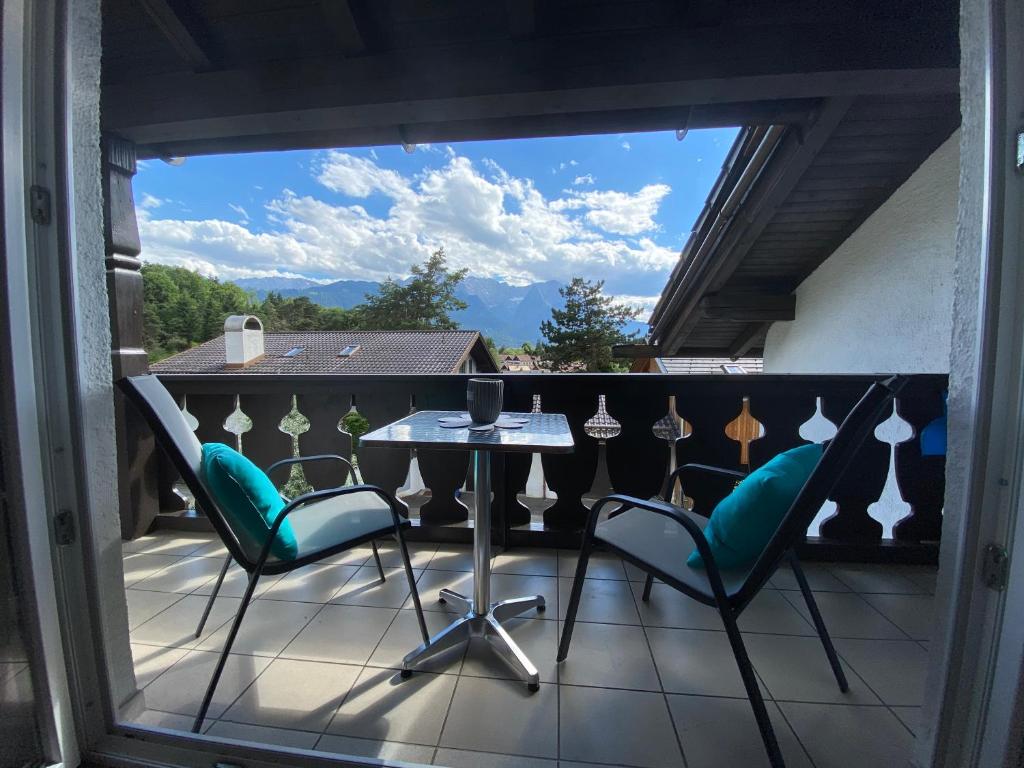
(480, 617)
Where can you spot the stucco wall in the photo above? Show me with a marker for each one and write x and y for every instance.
(92, 345)
(883, 301)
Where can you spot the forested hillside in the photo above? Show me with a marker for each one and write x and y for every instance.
(183, 308)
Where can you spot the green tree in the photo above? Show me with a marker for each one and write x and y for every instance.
(425, 302)
(584, 332)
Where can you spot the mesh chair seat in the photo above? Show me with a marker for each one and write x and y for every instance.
(664, 546)
(321, 525)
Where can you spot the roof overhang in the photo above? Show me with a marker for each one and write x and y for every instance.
(182, 79)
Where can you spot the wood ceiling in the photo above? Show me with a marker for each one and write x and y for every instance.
(198, 76)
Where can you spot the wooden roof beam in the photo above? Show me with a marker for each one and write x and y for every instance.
(181, 30)
(786, 168)
(342, 21)
(748, 308)
(522, 17)
(747, 340)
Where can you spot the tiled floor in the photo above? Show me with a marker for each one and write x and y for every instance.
(646, 684)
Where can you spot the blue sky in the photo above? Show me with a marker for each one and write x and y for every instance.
(613, 207)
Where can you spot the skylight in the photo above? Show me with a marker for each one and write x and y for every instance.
(294, 352)
(348, 351)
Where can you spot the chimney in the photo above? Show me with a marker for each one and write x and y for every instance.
(243, 341)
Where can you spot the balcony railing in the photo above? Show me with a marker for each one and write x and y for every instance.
(630, 430)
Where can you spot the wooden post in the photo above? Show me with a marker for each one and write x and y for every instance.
(136, 454)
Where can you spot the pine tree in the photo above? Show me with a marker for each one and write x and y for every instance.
(425, 302)
(583, 333)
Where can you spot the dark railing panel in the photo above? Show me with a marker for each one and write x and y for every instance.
(725, 413)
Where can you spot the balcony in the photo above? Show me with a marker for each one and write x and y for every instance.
(648, 683)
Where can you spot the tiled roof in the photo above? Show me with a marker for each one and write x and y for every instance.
(379, 352)
(705, 365)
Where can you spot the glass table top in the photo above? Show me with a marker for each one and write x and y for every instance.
(542, 433)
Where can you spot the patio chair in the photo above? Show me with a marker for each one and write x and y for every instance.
(646, 533)
(324, 522)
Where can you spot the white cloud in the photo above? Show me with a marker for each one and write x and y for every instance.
(240, 211)
(149, 202)
(497, 225)
(627, 146)
(584, 179)
(619, 212)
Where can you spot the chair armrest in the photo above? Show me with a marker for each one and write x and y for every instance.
(304, 459)
(677, 515)
(699, 469)
(327, 493)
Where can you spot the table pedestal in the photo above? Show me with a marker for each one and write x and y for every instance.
(480, 617)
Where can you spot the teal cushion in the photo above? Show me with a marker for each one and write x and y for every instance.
(248, 499)
(744, 521)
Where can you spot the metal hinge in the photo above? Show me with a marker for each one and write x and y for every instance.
(995, 567)
(39, 204)
(64, 527)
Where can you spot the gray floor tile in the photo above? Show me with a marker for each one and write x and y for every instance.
(381, 705)
(141, 566)
(895, 669)
(356, 556)
(261, 734)
(312, 584)
(911, 613)
(527, 562)
(538, 640)
(187, 574)
(420, 554)
(431, 582)
(633, 573)
(365, 588)
(502, 716)
(848, 615)
(696, 662)
(909, 716)
(176, 626)
(380, 750)
(922, 575)
(849, 736)
(298, 695)
(143, 605)
(171, 543)
(605, 601)
(716, 733)
(266, 629)
(215, 548)
(404, 635)
(181, 688)
(452, 557)
(610, 656)
(875, 578)
(151, 661)
(235, 583)
(347, 634)
(154, 718)
(797, 669)
(771, 613)
(670, 608)
(612, 726)
(602, 565)
(458, 758)
(819, 577)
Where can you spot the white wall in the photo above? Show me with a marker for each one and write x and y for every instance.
(882, 303)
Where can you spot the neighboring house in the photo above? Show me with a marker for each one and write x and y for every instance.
(245, 348)
(696, 365)
(520, 363)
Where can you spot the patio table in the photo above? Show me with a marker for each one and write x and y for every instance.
(539, 433)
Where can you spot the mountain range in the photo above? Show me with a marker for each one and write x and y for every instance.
(509, 314)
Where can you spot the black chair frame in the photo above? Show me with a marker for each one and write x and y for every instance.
(837, 455)
(139, 390)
